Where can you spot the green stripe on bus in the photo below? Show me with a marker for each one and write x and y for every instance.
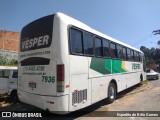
(98, 64)
(104, 66)
(117, 66)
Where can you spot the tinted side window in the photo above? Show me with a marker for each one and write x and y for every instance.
(4, 73)
(1, 73)
(76, 41)
(113, 50)
(15, 74)
(135, 55)
(132, 55)
(128, 54)
(119, 51)
(124, 53)
(138, 57)
(98, 47)
(141, 57)
(105, 48)
(88, 43)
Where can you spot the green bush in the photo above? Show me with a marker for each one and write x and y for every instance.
(6, 61)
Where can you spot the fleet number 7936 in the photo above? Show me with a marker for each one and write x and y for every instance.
(49, 79)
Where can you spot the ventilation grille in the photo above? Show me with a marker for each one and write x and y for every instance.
(79, 96)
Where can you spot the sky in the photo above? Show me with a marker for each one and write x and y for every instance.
(129, 21)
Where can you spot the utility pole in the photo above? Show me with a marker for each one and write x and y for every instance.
(155, 32)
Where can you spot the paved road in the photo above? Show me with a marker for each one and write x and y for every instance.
(146, 100)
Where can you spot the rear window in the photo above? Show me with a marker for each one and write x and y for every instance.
(37, 34)
(35, 61)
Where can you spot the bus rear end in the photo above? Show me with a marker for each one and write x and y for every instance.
(40, 76)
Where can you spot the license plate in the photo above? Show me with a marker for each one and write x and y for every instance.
(32, 85)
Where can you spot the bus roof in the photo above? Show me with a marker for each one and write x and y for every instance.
(71, 21)
(8, 67)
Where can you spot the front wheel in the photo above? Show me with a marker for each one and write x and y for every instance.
(111, 93)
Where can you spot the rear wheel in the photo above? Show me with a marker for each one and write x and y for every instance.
(141, 80)
(14, 95)
(111, 93)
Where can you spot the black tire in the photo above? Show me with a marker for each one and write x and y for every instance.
(141, 78)
(14, 95)
(111, 93)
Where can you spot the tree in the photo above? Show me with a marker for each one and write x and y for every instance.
(151, 55)
(148, 53)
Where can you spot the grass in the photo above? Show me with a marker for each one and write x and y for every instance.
(144, 82)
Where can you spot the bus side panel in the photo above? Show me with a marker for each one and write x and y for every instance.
(99, 88)
(4, 86)
(79, 91)
(100, 82)
(61, 50)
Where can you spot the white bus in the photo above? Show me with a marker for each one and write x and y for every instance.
(65, 65)
(8, 80)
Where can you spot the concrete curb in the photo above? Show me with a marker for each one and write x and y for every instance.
(142, 88)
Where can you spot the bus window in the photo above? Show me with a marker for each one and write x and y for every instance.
(119, 51)
(113, 50)
(132, 55)
(15, 74)
(98, 47)
(1, 73)
(141, 57)
(136, 56)
(88, 43)
(128, 54)
(76, 41)
(37, 34)
(124, 53)
(105, 48)
(35, 61)
(4, 73)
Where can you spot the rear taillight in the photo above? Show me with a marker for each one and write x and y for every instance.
(60, 78)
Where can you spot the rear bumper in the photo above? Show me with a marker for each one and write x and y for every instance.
(55, 104)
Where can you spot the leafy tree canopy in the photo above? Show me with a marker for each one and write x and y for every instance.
(151, 55)
(6, 61)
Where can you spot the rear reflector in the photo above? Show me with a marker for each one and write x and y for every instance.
(60, 78)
